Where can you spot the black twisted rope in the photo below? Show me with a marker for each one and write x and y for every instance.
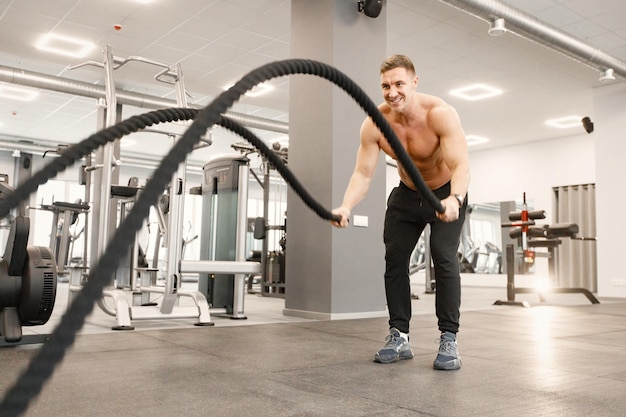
(31, 381)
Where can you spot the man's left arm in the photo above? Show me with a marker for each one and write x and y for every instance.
(453, 145)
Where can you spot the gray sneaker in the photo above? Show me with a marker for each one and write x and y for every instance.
(448, 358)
(396, 348)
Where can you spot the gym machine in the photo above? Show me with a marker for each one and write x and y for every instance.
(64, 215)
(272, 279)
(105, 220)
(28, 282)
(225, 203)
(530, 236)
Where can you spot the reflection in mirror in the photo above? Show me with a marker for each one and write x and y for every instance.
(483, 238)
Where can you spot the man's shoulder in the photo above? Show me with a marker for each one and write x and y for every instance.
(431, 102)
(437, 107)
(384, 107)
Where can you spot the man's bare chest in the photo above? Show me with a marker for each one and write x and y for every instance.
(420, 142)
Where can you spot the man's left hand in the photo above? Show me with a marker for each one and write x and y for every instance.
(451, 207)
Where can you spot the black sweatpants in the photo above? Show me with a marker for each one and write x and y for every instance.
(407, 215)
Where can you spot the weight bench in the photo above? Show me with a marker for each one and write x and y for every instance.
(545, 236)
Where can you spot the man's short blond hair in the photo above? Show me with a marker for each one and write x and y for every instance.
(397, 61)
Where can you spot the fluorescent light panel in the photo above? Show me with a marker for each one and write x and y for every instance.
(64, 45)
(475, 140)
(17, 93)
(257, 91)
(476, 92)
(565, 122)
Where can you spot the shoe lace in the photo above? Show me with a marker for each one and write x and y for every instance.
(447, 346)
(392, 341)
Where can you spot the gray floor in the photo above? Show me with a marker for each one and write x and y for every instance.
(562, 357)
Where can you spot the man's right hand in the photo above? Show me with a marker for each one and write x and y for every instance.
(344, 213)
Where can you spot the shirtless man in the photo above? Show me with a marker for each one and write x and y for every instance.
(431, 132)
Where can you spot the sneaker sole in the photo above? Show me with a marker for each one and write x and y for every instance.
(448, 366)
(401, 356)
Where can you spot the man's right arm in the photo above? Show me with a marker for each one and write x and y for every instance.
(365, 167)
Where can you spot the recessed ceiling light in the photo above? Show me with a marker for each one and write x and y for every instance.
(565, 122)
(64, 45)
(475, 140)
(476, 92)
(17, 93)
(258, 90)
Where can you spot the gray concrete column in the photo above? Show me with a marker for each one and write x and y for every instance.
(333, 273)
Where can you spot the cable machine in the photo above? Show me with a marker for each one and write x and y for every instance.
(273, 282)
(225, 207)
(106, 219)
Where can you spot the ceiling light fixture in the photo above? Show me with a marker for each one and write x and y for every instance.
(496, 27)
(17, 93)
(607, 75)
(65, 45)
(564, 122)
(475, 140)
(476, 92)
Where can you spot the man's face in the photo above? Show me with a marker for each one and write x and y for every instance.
(398, 85)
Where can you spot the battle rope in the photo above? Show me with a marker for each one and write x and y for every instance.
(31, 381)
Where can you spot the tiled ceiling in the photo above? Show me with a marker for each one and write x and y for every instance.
(218, 41)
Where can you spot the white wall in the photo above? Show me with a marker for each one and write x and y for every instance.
(504, 174)
(610, 130)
